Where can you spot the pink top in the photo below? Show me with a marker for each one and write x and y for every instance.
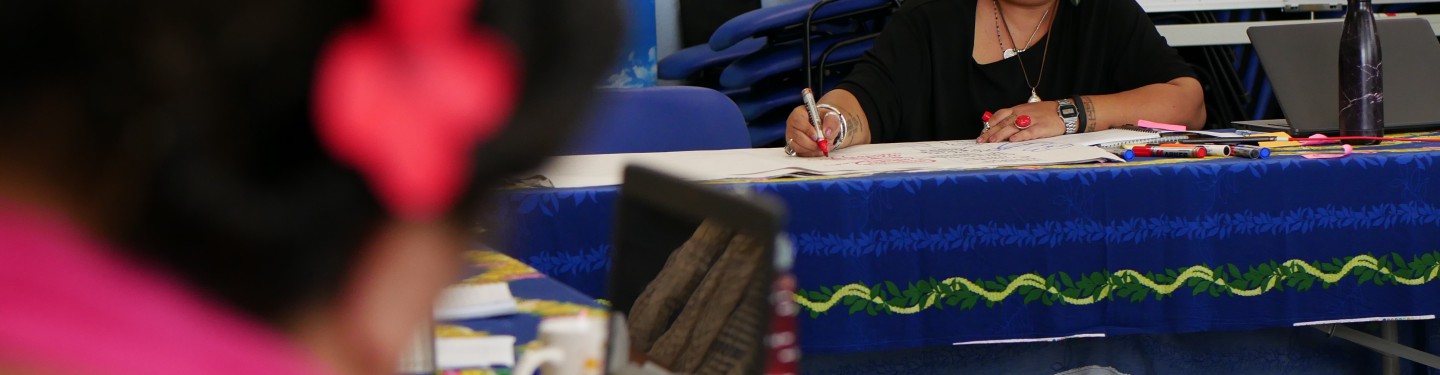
(69, 305)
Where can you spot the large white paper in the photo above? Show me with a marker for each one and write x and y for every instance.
(602, 170)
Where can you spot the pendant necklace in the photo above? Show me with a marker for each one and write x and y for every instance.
(1012, 52)
(1034, 97)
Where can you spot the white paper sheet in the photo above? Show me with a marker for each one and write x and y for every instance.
(602, 170)
(1106, 136)
(475, 301)
(474, 352)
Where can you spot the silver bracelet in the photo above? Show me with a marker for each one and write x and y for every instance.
(844, 132)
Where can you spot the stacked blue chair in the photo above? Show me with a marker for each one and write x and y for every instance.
(659, 119)
(759, 58)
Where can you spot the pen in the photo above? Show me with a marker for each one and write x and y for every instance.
(1169, 152)
(1251, 152)
(809, 98)
(1227, 140)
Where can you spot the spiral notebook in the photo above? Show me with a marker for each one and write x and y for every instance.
(1127, 135)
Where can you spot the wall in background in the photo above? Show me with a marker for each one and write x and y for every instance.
(667, 27)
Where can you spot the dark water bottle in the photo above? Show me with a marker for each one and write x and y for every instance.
(1362, 99)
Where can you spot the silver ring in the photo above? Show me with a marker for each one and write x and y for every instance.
(788, 150)
(843, 134)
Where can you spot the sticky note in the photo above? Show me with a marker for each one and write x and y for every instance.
(1159, 126)
(1318, 139)
(1280, 144)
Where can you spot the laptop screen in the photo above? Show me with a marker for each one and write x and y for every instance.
(692, 269)
(1302, 63)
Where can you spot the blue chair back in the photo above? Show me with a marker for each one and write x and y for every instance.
(659, 119)
(765, 20)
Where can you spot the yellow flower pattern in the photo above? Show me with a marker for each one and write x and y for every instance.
(498, 268)
(495, 267)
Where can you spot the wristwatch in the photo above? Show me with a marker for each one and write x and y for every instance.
(1069, 115)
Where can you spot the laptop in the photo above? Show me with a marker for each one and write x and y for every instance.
(1302, 63)
(692, 271)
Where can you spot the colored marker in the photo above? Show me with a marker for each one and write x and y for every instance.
(1251, 152)
(809, 98)
(1213, 150)
(1121, 152)
(1169, 152)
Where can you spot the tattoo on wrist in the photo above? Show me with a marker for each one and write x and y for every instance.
(1089, 114)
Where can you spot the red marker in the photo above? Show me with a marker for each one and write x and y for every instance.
(986, 117)
(809, 98)
(1169, 152)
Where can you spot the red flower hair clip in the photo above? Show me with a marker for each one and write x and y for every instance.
(405, 98)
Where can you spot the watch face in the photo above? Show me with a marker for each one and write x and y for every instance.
(1068, 111)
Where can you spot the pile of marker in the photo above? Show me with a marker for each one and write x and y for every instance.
(1198, 148)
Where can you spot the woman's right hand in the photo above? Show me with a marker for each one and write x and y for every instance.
(800, 133)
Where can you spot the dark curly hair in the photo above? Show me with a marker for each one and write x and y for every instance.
(184, 129)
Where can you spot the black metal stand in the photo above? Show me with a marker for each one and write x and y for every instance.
(805, 54)
(1383, 346)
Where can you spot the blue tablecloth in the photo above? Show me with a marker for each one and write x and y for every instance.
(1157, 246)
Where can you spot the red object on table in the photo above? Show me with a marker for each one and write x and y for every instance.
(783, 345)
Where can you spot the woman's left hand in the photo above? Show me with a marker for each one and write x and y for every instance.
(1044, 123)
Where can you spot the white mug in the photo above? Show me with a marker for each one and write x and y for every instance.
(574, 345)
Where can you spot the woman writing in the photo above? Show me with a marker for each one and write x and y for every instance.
(1043, 67)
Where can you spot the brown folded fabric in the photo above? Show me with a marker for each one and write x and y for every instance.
(738, 348)
(713, 306)
(656, 307)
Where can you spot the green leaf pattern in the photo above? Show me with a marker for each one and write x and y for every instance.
(1134, 286)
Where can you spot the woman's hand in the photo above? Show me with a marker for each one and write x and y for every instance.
(800, 134)
(1045, 122)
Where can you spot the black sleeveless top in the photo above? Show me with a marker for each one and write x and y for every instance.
(920, 82)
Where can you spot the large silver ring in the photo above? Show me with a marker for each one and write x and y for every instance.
(788, 150)
(844, 133)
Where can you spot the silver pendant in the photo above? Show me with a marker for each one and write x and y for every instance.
(1033, 97)
(1010, 52)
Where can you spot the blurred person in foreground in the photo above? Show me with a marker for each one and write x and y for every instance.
(267, 186)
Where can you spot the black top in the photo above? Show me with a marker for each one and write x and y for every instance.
(920, 83)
